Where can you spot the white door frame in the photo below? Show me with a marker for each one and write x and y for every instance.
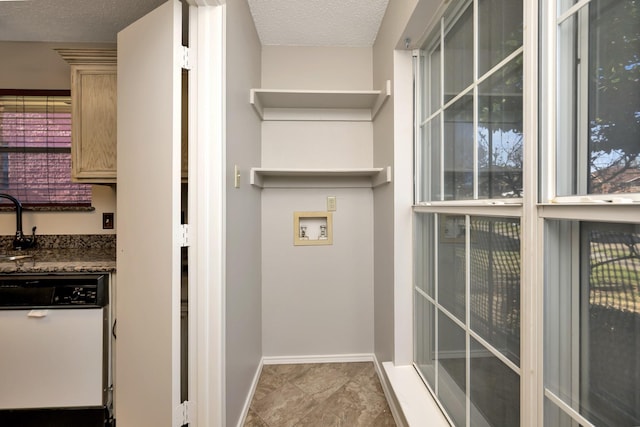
(207, 19)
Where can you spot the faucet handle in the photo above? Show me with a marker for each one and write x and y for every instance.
(21, 242)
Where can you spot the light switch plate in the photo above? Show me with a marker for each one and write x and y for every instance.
(331, 203)
(236, 176)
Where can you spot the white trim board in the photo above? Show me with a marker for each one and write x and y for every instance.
(328, 358)
(252, 391)
(390, 395)
(416, 403)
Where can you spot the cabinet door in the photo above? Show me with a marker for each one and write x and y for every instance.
(94, 123)
(147, 386)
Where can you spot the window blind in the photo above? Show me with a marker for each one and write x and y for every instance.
(35, 150)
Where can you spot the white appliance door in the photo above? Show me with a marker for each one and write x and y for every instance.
(51, 358)
(147, 348)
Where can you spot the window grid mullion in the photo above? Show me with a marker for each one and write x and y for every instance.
(418, 149)
(436, 306)
(441, 135)
(467, 315)
(476, 177)
(571, 11)
(549, 164)
(575, 314)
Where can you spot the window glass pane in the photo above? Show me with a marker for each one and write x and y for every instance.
(458, 149)
(452, 264)
(35, 151)
(425, 342)
(560, 310)
(424, 271)
(614, 96)
(594, 305)
(430, 174)
(435, 160)
(564, 5)
(555, 417)
(494, 390)
(41, 179)
(499, 31)
(495, 283)
(500, 139)
(599, 99)
(610, 290)
(452, 369)
(567, 110)
(458, 55)
(434, 83)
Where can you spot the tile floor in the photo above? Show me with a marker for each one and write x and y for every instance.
(320, 395)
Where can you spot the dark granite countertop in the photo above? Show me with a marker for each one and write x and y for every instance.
(78, 254)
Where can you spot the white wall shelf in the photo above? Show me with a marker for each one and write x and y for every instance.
(319, 178)
(320, 105)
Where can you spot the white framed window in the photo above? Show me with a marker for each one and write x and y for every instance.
(527, 195)
(467, 209)
(594, 101)
(35, 149)
(470, 135)
(589, 212)
(592, 323)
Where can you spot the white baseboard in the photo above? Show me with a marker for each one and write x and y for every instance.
(327, 358)
(252, 390)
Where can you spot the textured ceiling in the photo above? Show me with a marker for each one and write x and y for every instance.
(318, 22)
(92, 21)
(279, 22)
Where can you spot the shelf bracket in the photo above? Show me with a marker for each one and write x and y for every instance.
(255, 102)
(385, 93)
(383, 177)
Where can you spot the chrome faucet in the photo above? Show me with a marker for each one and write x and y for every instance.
(20, 241)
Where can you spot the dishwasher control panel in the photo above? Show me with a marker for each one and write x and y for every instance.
(72, 295)
(53, 290)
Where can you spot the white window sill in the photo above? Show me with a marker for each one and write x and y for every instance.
(416, 403)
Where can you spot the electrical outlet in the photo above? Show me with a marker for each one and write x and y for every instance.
(331, 203)
(107, 220)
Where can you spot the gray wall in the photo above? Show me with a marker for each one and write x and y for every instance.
(243, 341)
(396, 16)
(317, 300)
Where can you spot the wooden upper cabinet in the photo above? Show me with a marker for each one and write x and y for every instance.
(94, 112)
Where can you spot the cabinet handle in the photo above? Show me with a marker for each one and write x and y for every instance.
(38, 314)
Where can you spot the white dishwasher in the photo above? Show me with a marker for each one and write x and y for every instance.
(54, 356)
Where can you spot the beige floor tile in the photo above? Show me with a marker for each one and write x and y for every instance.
(369, 379)
(284, 407)
(322, 381)
(268, 382)
(319, 395)
(290, 372)
(385, 419)
(355, 405)
(320, 418)
(253, 420)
